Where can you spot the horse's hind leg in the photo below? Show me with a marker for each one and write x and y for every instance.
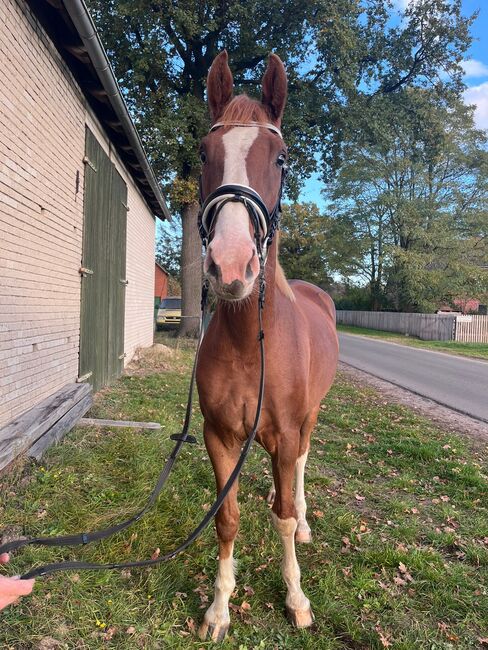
(285, 522)
(303, 534)
(271, 494)
(217, 618)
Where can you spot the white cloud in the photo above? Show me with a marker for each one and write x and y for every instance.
(473, 68)
(479, 95)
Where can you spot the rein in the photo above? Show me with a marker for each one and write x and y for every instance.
(265, 225)
(86, 538)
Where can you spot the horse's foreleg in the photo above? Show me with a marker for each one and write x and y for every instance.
(217, 618)
(284, 518)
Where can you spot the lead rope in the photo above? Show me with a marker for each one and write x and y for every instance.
(86, 538)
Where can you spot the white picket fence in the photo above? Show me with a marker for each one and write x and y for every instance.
(471, 329)
(429, 327)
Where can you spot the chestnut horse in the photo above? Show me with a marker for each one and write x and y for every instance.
(245, 148)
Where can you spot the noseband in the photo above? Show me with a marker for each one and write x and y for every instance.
(264, 223)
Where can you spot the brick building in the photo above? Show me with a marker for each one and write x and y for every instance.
(78, 203)
(161, 278)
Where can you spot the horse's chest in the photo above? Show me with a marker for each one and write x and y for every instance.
(229, 397)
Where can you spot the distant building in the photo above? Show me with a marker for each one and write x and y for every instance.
(161, 277)
(464, 306)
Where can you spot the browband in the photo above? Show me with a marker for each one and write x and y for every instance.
(265, 125)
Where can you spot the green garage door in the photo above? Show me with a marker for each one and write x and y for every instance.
(103, 268)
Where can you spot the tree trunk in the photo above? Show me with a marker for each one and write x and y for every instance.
(191, 271)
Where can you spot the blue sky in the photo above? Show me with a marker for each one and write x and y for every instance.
(476, 78)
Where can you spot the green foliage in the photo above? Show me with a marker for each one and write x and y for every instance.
(168, 246)
(337, 53)
(303, 243)
(342, 57)
(414, 190)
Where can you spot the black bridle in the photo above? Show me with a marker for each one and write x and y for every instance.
(265, 224)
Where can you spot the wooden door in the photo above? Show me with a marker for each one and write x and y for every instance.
(103, 268)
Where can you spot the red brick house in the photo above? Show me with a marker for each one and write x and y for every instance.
(161, 278)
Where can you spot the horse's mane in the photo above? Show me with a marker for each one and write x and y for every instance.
(245, 110)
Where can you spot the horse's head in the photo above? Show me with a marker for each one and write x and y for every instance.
(243, 148)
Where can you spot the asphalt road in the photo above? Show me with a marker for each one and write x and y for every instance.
(457, 382)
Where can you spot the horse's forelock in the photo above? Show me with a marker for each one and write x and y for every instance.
(245, 110)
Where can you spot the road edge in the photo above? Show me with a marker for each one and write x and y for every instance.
(452, 419)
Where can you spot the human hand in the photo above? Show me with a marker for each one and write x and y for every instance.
(12, 588)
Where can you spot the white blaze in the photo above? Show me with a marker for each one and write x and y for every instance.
(233, 221)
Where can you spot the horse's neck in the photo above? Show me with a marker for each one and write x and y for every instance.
(240, 323)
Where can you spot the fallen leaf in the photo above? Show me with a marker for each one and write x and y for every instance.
(156, 553)
(384, 637)
(358, 497)
(130, 630)
(48, 643)
(109, 633)
(318, 513)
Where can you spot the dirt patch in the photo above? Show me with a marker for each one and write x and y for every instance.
(147, 361)
(450, 420)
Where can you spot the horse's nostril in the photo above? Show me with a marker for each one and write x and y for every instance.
(213, 269)
(249, 272)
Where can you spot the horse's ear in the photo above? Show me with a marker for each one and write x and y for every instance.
(275, 86)
(219, 85)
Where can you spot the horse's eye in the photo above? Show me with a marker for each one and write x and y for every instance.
(281, 160)
(203, 156)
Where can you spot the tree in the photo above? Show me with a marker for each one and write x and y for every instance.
(417, 196)
(303, 243)
(168, 247)
(338, 53)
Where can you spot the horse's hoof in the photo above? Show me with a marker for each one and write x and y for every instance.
(215, 632)
(300, 617)
(271, 496)
(303, 534)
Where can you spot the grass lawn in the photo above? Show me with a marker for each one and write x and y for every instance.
(398, 510)
(477, 350)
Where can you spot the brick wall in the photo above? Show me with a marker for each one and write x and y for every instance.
(41, 215)
(42, 140)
